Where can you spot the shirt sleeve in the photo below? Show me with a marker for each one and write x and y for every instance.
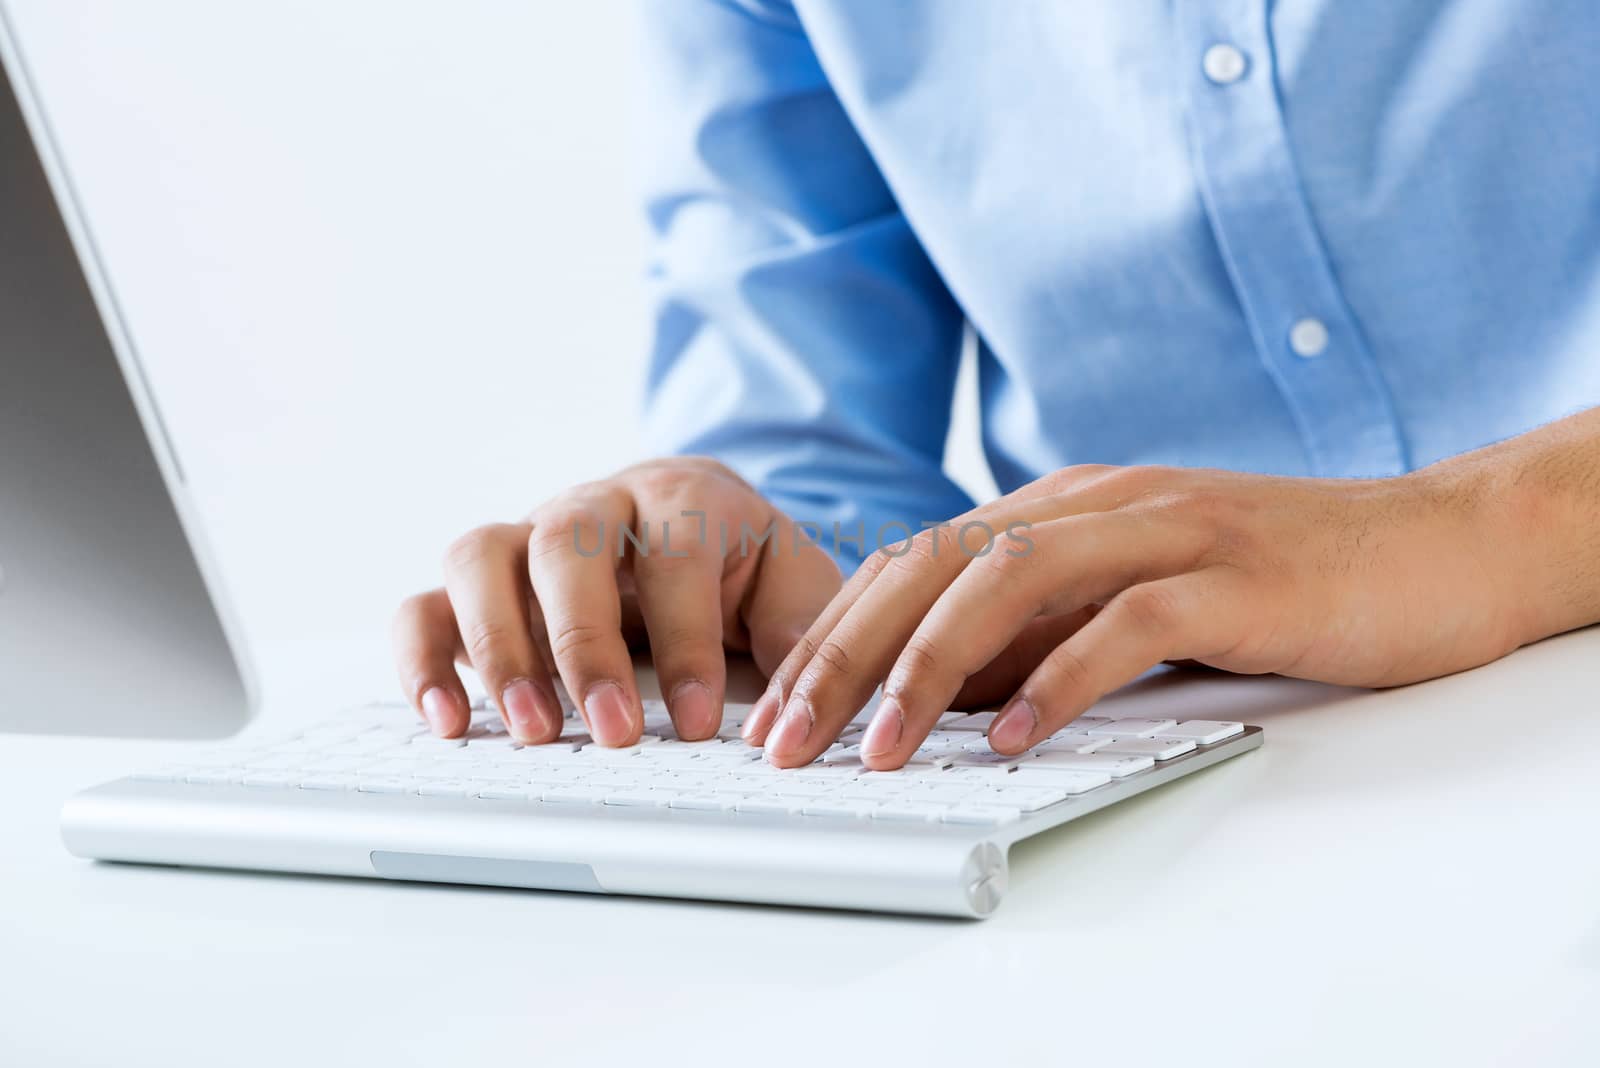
(801, 334)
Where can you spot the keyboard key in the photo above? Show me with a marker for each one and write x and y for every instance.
(1073, 782)
(840, 809)
(271, 780)
(986, 815)
(384, 786)
(275, 762)
(329, 734)
(976, 721)
(1159, 748)
(486, 746)
(644, 797)
(1084, 723)
(1023, 797)
(788, 787)
(868, 786)
(826, 772)
(505, 793)
(986, 776)
(331, 767)
(706, 802)
(572, 795)
(567, 743)
(770, 806)
(868, 710)
(1132, 728)
(1202, 731)
(676, 749)
(333, 783)
(388, 769)
(1115, 766)
(490, 775)
(428, 741)
(552, 775)
(1073, 742)
(988, 758)
(908, 811)
(936, 794)
(445, 788)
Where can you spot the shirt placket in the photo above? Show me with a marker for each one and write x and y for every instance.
(1304, 331)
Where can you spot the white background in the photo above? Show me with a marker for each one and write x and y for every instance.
(382, 263)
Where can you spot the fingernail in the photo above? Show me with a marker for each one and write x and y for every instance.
(1013, 727)
(693, 712)
(792, 729)
(606, 708)
(530, 713)
(883, 734)
(439, 709)
(762, 713)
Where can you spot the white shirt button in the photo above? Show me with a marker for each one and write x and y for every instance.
(1308, 338)
(1224, 64)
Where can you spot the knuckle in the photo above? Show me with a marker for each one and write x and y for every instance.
(868, 572)
(560, 525)
(1006, 567)
(576, 640)
(919, 661)
(1076, 475)
(833, 656)
(1151, 608)
(489, 642)
(924, 549)
(1070, 671)
(1128, 484)
(411, 610)
(922, 654)
(669, 550)
(669, 481)
(794, 663)
(471, 550)
(680, 644)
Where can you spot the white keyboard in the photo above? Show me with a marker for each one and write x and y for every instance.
(372, 794)
(953, 778)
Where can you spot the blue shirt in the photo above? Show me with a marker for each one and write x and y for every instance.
(1309, 237)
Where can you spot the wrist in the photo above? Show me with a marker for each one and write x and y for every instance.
(1518, 525)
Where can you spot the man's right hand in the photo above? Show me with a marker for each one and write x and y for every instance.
(565, 593)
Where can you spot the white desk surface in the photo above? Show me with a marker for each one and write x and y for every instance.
(1410, 876)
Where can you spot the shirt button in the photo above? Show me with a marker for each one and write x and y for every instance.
(1308, 338)
(1224, 64)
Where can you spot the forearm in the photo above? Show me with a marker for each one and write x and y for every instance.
(1538, 496)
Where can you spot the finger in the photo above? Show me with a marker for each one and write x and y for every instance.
(680, 603)
(793, 586)
(765, 712)
(1171, 618)
(487, 584)
(791, 589)
(1000, 677)
(573, 555)
(856, 654)
(1073, 562)
(937, 555)
(425, 648)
